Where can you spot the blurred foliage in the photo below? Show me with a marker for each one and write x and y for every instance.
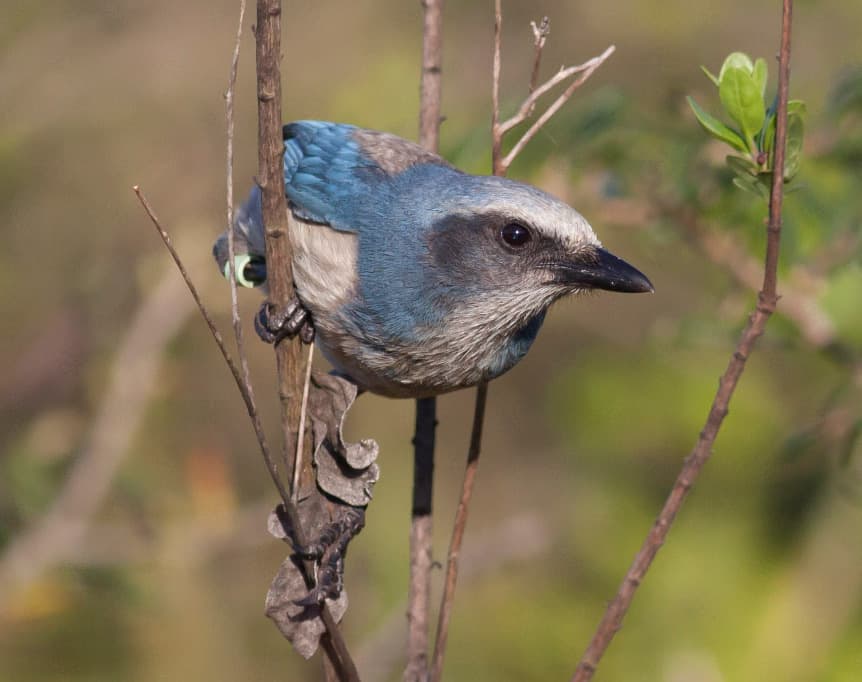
(761, 578)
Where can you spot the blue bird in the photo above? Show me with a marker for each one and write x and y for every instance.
(418, 278)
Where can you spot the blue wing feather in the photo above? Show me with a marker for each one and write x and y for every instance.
(320, 160)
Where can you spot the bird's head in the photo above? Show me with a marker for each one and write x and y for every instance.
(521, 249)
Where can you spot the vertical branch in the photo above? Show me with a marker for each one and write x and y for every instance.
(271, 180)
(496, 137)
(280, 280)
(766, 302)
(421, 557)
(419, 589)
(431, 85)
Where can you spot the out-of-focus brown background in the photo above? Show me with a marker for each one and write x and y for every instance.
(762, 576)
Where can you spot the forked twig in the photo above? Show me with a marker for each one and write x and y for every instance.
(501, 163)
(500, 166)
(766, 302)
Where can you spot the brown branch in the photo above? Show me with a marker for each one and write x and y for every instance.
(431, 84)
(767, 300)
(459, 527)
(280, 280)
(419, 587)
(421, 557)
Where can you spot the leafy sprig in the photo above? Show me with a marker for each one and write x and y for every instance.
(741, 85)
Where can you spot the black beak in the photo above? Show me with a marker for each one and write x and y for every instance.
(600, 269)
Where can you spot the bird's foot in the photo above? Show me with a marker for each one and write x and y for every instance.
(328, 551)
(274, 323)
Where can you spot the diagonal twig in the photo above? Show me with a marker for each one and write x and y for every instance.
(766, 302)
(337, 641)
(585, 70)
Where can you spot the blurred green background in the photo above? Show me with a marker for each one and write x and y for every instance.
(761, 578)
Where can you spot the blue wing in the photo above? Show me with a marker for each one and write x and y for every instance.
(320, 164)
(339, 175)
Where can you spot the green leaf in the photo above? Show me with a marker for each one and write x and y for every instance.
(742, 165)
(716, 128)
(795, 136)
(736, 60)
(752, 185)
(797, 107)
(759, 184)
(709, 75)
(743, 102)
(760, 73)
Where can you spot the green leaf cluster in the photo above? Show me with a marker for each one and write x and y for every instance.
(741, 85)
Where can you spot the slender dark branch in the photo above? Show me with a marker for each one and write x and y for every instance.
(766, 302)
(419, 588)
(459, 527)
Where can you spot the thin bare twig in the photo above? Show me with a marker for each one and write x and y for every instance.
(247, 396)
(540, 37)
(766, 302)
(228, 100)
(300, 438)
(499, 162)
(586, 70)
(419, 588)
(248, 399)
(496, 136)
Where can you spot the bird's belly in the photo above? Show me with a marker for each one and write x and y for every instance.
(444, 361)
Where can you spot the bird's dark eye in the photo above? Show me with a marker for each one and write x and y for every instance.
(515, 234)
